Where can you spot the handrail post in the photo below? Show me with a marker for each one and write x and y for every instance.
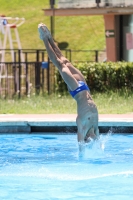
(19, 94)
(70, 55)
(48, 74)
(37, 55)
(37, 78)
(96, 55)
(27, 83)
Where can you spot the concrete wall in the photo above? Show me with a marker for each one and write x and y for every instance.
(128, 38)
(92, 3)
(78, 3)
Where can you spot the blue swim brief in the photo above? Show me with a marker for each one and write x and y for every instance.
(82, 86)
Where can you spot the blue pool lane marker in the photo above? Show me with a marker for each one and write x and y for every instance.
(44, 65)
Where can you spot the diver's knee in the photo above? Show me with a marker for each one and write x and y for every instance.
(64, 60)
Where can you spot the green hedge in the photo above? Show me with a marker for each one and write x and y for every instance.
(103, 76)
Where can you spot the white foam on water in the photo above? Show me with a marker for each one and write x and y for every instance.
(66, 176)
(95, 149)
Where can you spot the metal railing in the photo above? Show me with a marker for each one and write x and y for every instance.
(25, 78)
(37, 74)
(39, 55)
(87, 55)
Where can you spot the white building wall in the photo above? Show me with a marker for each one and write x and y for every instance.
(128, 2)
(78, 3)
(92, 3)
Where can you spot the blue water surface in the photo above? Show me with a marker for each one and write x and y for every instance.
(49, 167)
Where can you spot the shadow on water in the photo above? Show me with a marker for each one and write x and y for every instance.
(100, 162)
(49, 138)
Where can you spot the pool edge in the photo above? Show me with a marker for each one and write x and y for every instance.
(63, 126)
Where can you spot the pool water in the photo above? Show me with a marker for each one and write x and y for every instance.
(49, 167)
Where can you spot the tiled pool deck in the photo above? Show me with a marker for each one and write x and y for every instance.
(31, 123)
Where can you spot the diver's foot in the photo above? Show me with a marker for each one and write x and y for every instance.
(43, 31)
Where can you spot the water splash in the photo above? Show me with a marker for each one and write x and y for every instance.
(95, 149)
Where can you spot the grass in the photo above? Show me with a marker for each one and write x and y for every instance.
(80, 32)
(107, 103)
(114, 102)
(39, 105)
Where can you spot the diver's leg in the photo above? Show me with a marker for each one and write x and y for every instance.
(77, 74)
(63, 69)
